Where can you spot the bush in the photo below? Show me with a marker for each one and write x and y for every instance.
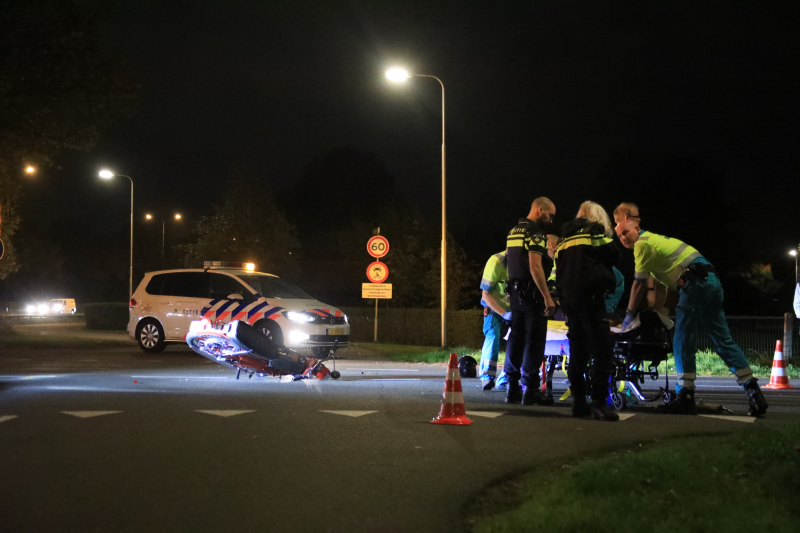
(111, 315)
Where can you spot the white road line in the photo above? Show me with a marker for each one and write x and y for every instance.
(6, 418)
(487, 414)
(35, 376)
(397, 379)
(222, 413)
(380, 370)
(625, 416)
(89, 414)
(181, 377)
(745, 419)
(353, 414)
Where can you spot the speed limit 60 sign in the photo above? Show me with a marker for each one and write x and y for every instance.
(378, 246)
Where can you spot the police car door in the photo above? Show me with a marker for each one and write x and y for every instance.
(229, 299)
(188, 295)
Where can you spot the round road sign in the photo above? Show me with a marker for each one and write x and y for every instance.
(377, 272)
(378, 246)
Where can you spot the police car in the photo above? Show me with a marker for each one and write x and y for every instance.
(166, 302)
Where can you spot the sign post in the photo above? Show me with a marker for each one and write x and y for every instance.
(377, 273)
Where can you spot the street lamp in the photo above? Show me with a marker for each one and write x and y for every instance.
(794, 253)
(107, 175)
(30, 169)
(177, 216)
(400, 75)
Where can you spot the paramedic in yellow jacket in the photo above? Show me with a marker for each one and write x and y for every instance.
(682, 268)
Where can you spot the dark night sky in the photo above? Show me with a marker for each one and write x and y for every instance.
(540, 96)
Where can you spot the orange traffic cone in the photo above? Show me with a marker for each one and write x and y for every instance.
(778, 379)
(452, 411)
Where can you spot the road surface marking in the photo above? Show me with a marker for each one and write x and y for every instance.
(223, 413)
(180, 377)
(87, 360)
(625, 416)
(487, 414)
(745, 419)
(353, 414)
(380, 370)
(6, 418)
(37, 376)
(397, 379)
(89, 414)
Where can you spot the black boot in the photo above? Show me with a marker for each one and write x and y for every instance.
(489, 385)
(514, 394)
(758, 404)
(601, 411)
(682, 405)
(533, 396)
(580, 408)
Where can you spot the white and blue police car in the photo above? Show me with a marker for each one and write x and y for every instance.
(166, 302)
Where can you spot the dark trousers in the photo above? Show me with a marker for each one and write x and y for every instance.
(591, 347)
(525, 347)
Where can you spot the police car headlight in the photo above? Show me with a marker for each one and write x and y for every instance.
(43, 308)
(30, 308)
(298, 336)
(299, 317)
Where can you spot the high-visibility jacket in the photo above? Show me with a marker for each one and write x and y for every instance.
(662, 257)
(524, 238)
(495, 276)
(585, 258)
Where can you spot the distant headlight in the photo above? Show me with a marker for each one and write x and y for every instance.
(298, 336)
(42, 308)
(30, 308)
(299, 317)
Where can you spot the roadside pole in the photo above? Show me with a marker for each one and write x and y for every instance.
(788, 333)
(377, 273)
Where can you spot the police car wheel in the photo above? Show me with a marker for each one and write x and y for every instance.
(270, 329)
(150, 336)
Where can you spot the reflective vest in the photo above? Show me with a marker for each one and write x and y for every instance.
(662, 257)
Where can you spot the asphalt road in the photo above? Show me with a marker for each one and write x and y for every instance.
(118, 440)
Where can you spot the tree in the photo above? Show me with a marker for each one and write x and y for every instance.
(247, 227)
(56, 93)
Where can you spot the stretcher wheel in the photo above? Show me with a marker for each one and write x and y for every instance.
(618, 400)
(669, 397)
(335, 374)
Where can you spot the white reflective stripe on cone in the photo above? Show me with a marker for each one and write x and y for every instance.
(452, 374)
(453, 397)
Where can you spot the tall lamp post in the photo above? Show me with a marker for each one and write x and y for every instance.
(400, 75)
(177, 216)
(107, 174)
(796, 254)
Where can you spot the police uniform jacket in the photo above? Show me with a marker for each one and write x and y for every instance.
(524, 238)
(585, 258)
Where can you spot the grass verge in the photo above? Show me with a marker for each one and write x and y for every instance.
(735, 483)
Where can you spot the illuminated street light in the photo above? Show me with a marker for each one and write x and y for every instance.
(400, 75)
(30, 169)
(794, 253)
(177, 216)
(107, 174)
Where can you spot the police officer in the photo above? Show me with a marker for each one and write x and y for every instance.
(495, 311)
(530, 302)
(681, 268)
(585, 257)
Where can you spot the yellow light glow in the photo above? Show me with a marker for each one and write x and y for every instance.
(30, 169)
(250, 267)
(397, 74)
(177, 216)
(148, 216)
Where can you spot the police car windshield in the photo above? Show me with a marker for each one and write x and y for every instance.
(272, 287)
